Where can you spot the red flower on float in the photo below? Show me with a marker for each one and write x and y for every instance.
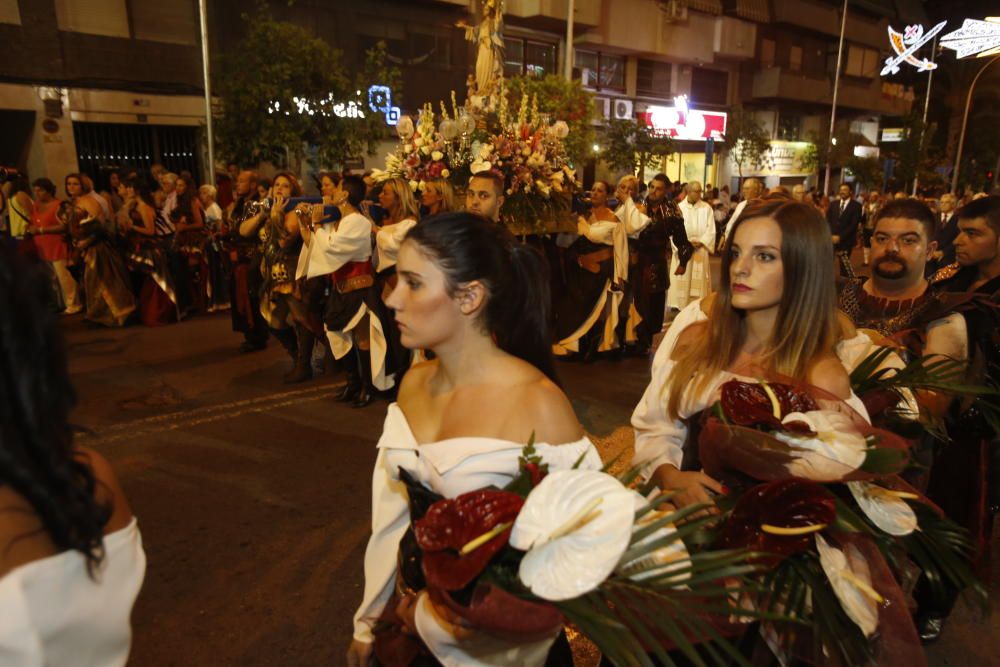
(749, 404)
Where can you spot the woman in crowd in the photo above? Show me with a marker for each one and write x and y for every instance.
(114, 195)
(596, 265)
(263, 188)
(106, 283)
(71, 558)
(479, 299)
(216, 260)
(190, 267)
(775, 313)
(20, 207)
(438, 196)
(50, 235)
(401, 215)
(149, 236)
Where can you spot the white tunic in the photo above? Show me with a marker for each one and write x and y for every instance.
(449, 467)
(660, 439)
(387, 243)
(696, 282)
(53, 614)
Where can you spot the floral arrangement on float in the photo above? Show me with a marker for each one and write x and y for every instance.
(818, 492)
(525, 148)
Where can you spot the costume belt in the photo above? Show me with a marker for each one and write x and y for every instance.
(592, 261)
(353, 276)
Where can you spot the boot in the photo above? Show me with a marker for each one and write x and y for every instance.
(302, 370)
(366, 391)
(288, 341)
(353, 386)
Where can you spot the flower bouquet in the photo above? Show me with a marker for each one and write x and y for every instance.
(580, 547)
(817, 491)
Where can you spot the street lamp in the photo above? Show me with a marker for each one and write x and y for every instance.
(965, 120)
(208, 90)
(833, 108)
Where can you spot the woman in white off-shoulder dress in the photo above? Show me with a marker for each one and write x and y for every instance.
(71, 558)
(479, 299)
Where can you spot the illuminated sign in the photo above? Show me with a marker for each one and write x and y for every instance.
(905, 44)
(682, 122)
(379, 101)
(891, 134)
(975, 38)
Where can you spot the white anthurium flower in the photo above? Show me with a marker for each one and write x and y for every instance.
(437, 156)
(485, 150)
(418, 141)
(836, 450)
(886, 508)
(414, 185)
(426, 150)
(575, 526)
(851, 579)
(662, 561)
(480, 165)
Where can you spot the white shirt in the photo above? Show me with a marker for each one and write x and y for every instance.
(611, 233)
(734, 217)
(660, 439)
(388, 240)
(699, 223)
(52, 614)
(449, 467)
(213, 215)
(634, 220)
(331, 246)
(169, 204)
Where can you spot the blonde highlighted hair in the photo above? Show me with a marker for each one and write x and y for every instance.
(445, 190)
(408, 206)
(806, 328)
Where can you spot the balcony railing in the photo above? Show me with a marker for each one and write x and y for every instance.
(776, 83)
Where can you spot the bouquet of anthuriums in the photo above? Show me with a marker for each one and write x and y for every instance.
(579, 547)
(816, 494)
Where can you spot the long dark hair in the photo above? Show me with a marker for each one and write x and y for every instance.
(36, 441)
(468, 247)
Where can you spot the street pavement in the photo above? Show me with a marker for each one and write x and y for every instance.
(254, 497)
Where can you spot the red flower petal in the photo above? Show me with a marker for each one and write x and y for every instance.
(747, 403)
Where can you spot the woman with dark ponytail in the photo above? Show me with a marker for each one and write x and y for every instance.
(479, 300)
(71, 559)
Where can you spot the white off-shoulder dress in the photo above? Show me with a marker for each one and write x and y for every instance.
(450, 468)
(53, 614)
(660, 439)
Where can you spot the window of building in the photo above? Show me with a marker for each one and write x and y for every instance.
(861, 62)
(789, 127)
(601, 71)
(411, 45)
(767, 53)
(172, 22)
(9, 12)
(709, 86)
(513, 51)
(525, 56)
(795, 59)
(430, 47)
(652, 78)
(94, 17)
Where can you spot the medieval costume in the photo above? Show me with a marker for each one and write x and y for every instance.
(107, 291)
(245, 278)
(152, 277)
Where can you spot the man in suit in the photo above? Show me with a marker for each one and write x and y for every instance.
(844, 216)
(947, 230)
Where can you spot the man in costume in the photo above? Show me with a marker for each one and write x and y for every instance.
(244, 253)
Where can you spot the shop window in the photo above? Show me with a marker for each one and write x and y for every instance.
(789, 127)
(861, 62)
(93, 17)
(795, 59)
(652, 78)
(709, 86)
(767, 53)
(172, 22)
(601, 71)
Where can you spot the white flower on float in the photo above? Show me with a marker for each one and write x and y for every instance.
(560, 129)
(426, 150)
(836, 450)
(414, 185)
(542, 187)
(575, 526)
(437, 155)
(662, 561)
(480, 165)
(851, 580)
(526, 152)
(445, 173)
(418, 141)
(485, 150)
(885, 508)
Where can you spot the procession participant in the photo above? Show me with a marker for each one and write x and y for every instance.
(699, 224)
(479, 300)
(438, 196)
(402, 213)
(649, 272)
(869, 215)
(484, 196)
(20, 205)
(244, 255)
(216, 260)
(586, 317)
(844, 217)
(113, 194)
(965, 479)
(107, 289)
(947, 230)
(774, 313)
(88, 185)
(799, 192)
(751, 191)
(356, 318)
(50, 234)
(280, 305)
(149, 236)
(71, 558)
(188, 252)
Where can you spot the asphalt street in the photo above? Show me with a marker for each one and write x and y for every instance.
(254, 497)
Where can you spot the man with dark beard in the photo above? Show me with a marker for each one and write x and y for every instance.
(245, 280)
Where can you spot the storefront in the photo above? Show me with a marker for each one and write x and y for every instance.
(697, 135)
(784, 165)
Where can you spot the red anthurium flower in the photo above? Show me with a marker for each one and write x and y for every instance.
(779, 518)
(748, 404)
(451, 524)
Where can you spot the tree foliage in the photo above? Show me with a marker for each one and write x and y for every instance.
(747, 139)
(278, 62)
(867, 171)
(913, 150)
(562, 100)
(628, 145)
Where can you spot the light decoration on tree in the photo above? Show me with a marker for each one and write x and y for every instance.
(379, 101)
(975, 38)
(906, 44)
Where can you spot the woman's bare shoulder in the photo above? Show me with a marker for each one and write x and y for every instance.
(109, 490)
(545, 409)
(415, 380)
